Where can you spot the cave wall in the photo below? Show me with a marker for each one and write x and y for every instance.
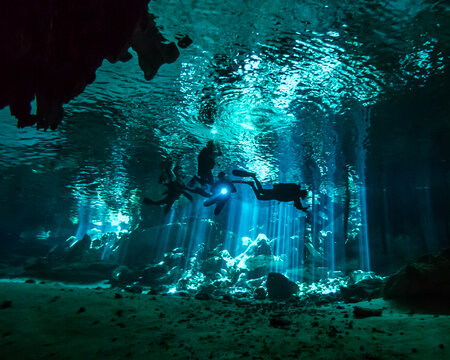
(408, 174)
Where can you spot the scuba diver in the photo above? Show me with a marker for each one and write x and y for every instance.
(221, 191)
(280, 192)
(175, 188)
(206, 162)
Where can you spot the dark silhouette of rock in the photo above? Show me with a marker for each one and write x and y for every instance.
(6, 304)
(278, 321)
(122, 275)
(154, 274)
(227, 297)
(363, 290)
(134, 289)
(51, 50)
(148, 42)
(83, 273)
(202, 295)
(184, 42)
(359, 312)
(260, 293)
(279, 286)
(426, 278)
(77, 250)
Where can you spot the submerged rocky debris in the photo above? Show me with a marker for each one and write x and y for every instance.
(215, 274)
(209, 273)
(222, 298)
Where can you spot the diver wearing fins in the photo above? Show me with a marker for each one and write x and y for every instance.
(282, 192)
(175, 188)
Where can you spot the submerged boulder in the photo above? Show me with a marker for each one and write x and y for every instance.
(77, 249)
(365, 289)
(122, 275)
(258, 257)
(280, 287)
(259, 293)
(427, 277)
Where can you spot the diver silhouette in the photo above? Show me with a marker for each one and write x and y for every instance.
(206, 162)
(221, 191)
(175, 188)
(283, 192)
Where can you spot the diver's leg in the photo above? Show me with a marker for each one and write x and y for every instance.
(210, 201)
(187, 195)
(209, 178)
(201, 192)
(299, 206)
(258, 193)
(149, 201)
(242, 173)
(219, 207)
(258, 184)
(168, 206)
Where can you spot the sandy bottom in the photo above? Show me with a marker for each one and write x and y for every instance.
(52, 321)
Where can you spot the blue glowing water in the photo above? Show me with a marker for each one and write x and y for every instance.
(295, 91)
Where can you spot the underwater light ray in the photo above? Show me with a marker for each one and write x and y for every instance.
(331, 234)
(164, 236)
(362, 124)
(430, 232)
(301, 246)
(84, 217)
(279, 241)
(292, 255)
(285, 234)
(314, 230)
(197, 235)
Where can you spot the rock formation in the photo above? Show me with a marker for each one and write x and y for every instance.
(51, 50)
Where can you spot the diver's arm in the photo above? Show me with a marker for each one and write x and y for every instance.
(218, 152)
(187, 195)
(232, 187)
(200, 191)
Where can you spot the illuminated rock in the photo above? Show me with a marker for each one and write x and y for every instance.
(258, 256)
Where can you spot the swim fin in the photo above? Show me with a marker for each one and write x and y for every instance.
(243, 173)
(242, 182)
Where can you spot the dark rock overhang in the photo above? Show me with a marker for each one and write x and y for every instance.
(51, 49)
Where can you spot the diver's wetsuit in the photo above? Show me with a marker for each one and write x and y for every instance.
(174, 190)
(206, 162)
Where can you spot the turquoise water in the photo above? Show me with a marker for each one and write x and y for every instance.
(350, 100)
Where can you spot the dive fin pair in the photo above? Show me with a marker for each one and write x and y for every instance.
(243, 173)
